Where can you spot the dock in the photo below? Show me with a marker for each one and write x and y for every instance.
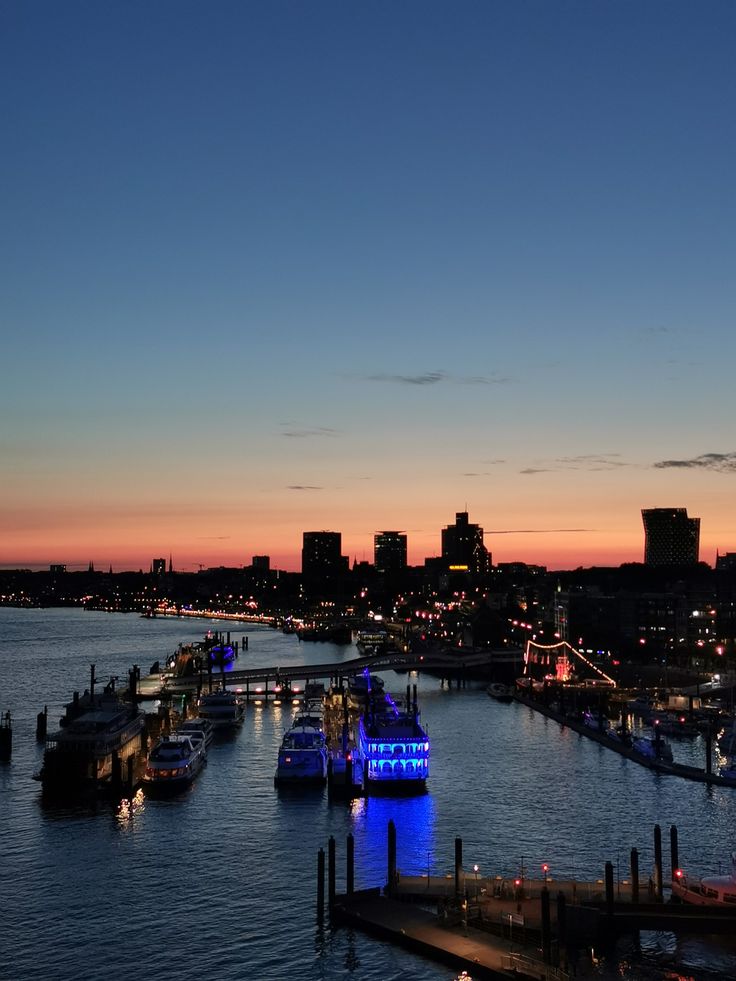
(698, 774)
(499, 928)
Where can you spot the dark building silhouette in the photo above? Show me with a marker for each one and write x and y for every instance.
(158, 567)
(670, 537)
(462, 547)
(389, 551)
(324, 568)
(261, 562)
(57, 569)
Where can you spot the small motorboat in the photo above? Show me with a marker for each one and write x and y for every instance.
(501, 692)
(716, 890)
(222, 707)
(198, 728)
(303, 753)
(174, 762)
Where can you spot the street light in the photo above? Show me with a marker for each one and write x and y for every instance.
(475, 870)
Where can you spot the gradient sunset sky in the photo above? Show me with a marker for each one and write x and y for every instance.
(284, 266)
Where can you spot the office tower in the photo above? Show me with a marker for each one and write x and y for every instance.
(462, 547)
(261, 562)
(323, 567)
(158, 567)
(389, 551)
(670, 537)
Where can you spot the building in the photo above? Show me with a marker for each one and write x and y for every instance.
(463, 549)
(389, 551)
(261, 562)
(57, 569)
(158, 567)
(324, 568)
(670, 537)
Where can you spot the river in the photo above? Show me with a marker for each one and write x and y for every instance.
(220, 883)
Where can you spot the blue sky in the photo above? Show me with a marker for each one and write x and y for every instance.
(372, 262)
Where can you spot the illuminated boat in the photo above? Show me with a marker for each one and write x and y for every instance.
(175, 761)
(221, 654)
(393, 747)
(96, 730)
(222, 707)
(653, 748)
(716, 890)
(303, 753)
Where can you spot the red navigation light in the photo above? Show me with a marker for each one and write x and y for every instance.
(545, 869)
(678, 873)
(517, 882)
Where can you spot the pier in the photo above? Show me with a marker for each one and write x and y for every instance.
(495, 927)
(704, 775)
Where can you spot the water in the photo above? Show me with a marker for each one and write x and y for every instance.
(220, 883)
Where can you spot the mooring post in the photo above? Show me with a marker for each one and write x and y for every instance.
(546, 927)
(634, 875)
(350, 877)
(674, 852)
(609, 888)
(458, 863)
(348, 775)
(561, 927)
(391, 840)
(331, 873)
(658, 862)
(321, 885)
(41, 723)
(6, 738)
(245, 643)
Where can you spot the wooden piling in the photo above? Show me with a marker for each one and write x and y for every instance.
(546, 926)
(391, 842)
(321, 885)
(350, 873)
(458, 863)
(674, 852)
(561, 927)
(609, 888)
(331, 873)
(658, 862)
(41, 724)
(634, 875)
(6, 738)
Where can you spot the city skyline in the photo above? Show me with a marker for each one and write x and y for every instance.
(283, 268)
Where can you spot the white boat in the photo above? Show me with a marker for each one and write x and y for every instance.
(222, 707)
(716, 890)
(597, 723)
(198, 727)
(174, 761)
(303, 753)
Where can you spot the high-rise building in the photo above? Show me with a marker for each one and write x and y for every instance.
(261, 562)
(462, 547)
(389, 551)
(158, 567)
(670, 537)
(323, 565)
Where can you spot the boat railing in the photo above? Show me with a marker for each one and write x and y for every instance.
(532, 968)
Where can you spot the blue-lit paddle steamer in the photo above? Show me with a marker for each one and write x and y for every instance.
(393, 746)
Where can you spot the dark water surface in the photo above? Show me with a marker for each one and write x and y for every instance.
(220, 884)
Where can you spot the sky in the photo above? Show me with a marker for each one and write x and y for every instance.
(271, 267)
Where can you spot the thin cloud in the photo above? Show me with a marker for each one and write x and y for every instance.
(212, 538)
(540, 531)
(437, 377)
(592, 461)
(306, 432)
(719, 462)
(304, 487)
(537, 470)
(657, 331)
(492, 463)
